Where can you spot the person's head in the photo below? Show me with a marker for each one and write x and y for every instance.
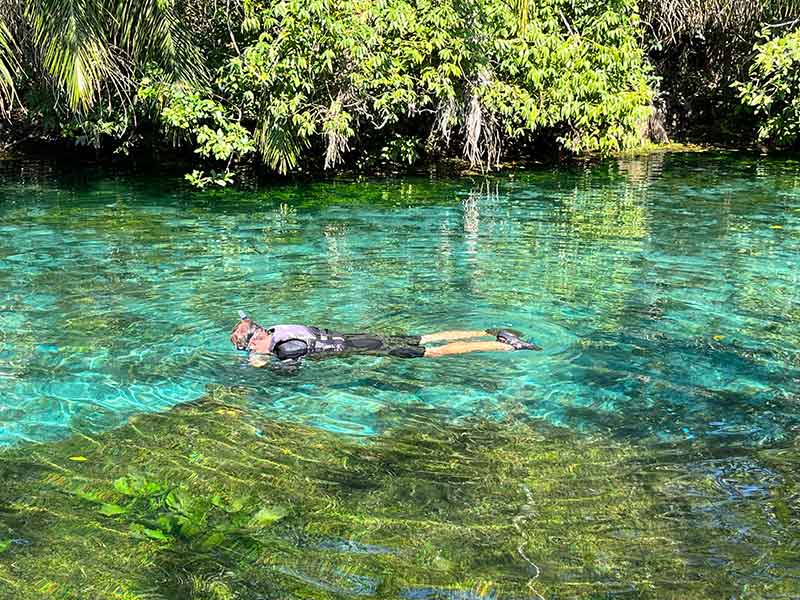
(244, 331)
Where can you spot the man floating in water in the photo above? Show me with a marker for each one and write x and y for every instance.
(293, 342)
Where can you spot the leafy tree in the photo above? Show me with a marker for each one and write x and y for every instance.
(773, 89)
(320, 78)
(317, 83)
(699, 48)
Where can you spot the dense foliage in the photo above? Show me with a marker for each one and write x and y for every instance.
(321, 82)
(317, 84)
(700, 49)
(297, 86)
(773, 90)
(86, 52)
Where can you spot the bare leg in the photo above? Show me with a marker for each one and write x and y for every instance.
(465, 347)
(452, 335)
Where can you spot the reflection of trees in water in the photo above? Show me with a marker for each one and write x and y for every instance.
(649, 272)
(737, 227)
(488, 193)
(521, 253)
(710, 324)
(641, 170)
(445, 261)
(610, 205)
(280, 226)
(337, 252)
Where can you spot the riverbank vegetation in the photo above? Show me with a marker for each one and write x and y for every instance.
(285, 86)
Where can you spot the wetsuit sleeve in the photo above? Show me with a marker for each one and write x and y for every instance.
(290, 349)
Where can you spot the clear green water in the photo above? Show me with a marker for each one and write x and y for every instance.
(664, 291)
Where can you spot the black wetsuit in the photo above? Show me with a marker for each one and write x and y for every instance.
(296, 341)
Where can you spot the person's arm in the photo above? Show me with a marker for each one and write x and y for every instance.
(258, 359)
(286, 350)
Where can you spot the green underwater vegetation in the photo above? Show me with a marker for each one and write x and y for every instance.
(212, 500)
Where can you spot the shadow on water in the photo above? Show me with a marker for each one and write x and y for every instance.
(212, 501)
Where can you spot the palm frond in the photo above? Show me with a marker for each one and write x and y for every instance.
(9, 66)
(90, 47)
(279, 145)
(70, 36)
(152, 31)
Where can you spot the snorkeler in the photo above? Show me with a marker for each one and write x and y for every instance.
(293, 342)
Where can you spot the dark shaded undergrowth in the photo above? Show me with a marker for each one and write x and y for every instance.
(212, 501)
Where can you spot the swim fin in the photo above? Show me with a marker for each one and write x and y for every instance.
(505, 336)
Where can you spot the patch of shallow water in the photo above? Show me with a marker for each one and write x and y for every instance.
(213, 500)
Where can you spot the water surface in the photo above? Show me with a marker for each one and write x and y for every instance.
(649, 451)
(664, 291)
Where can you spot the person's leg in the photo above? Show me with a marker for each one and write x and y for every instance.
(466, 347)
(442, 336)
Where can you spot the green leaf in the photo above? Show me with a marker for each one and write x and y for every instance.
(123, 486)
(179, 501)
(165, 523)
(233, 505)
(154, 534)
(268, 515)
(110, 510)
(190, 528)
(136, 485)
(213, 540)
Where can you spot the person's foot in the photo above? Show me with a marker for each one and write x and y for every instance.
(506, 337)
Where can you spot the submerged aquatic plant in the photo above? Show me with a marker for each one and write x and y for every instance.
(214, 501)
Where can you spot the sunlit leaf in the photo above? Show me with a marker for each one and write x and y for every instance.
(268, 515)
(110, 510)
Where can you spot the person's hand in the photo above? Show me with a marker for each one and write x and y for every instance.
(258, 359)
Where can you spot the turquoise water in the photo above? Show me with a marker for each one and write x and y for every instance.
(664, 291)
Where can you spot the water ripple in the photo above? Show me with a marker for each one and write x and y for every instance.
(663, 291)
